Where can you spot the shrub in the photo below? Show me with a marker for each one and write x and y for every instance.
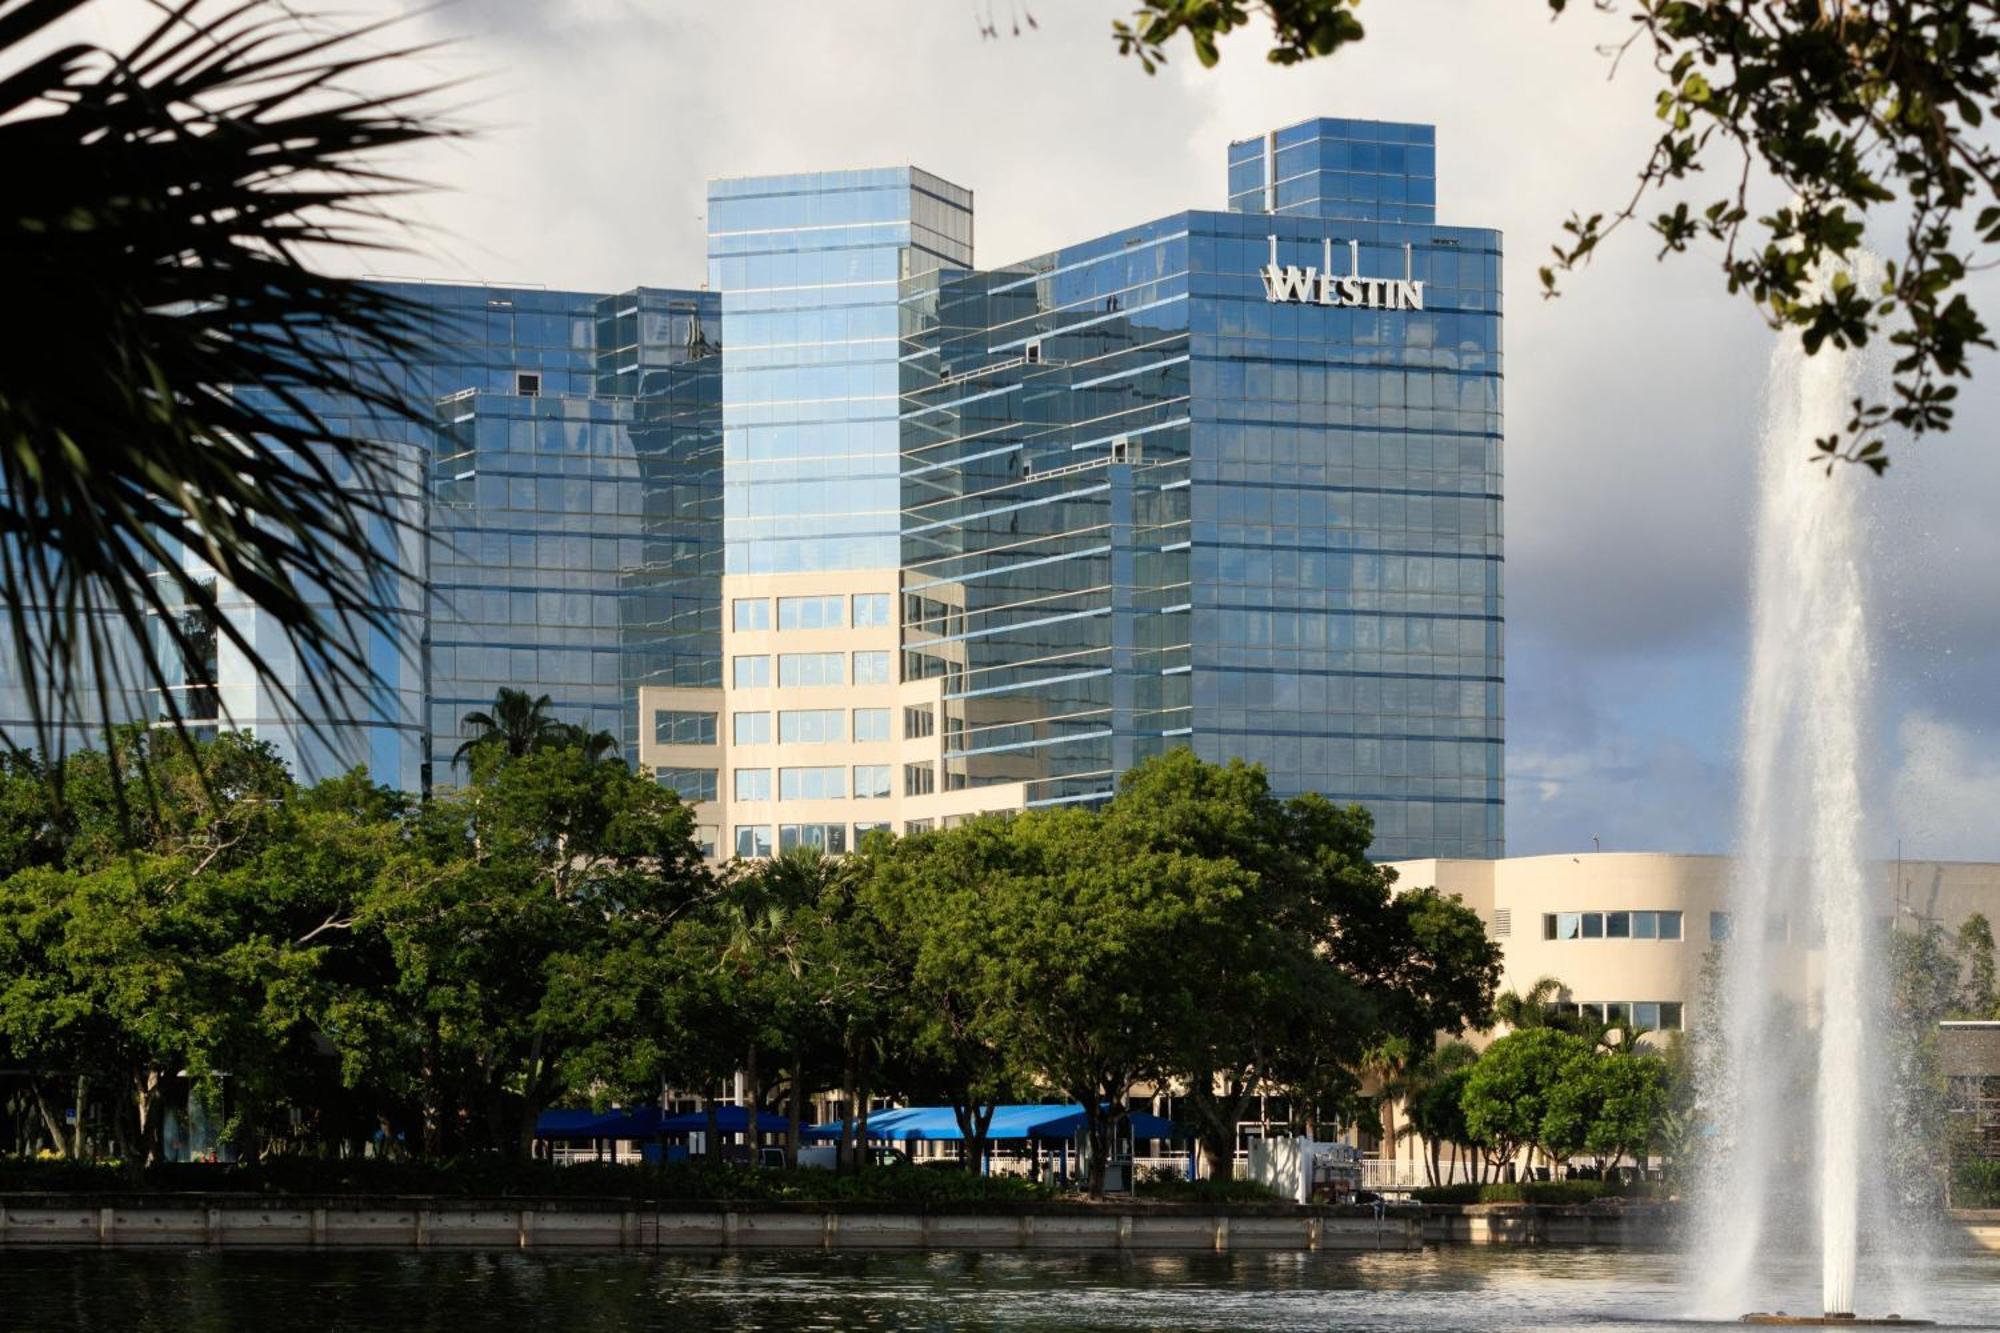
(1975, 1183)
(497, 1177)
(1174, 1187)
(1534, 1191)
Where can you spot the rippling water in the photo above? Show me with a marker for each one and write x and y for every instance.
(1439, 1291)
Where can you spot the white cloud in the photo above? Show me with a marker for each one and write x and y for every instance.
(1945, 794)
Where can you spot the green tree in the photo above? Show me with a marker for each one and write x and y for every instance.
(1435, 1095)
(1979, 999)
(1507, 1093)
(1084, 946)
(1606, 1102)
(1850, 112)
(163, 201)
(496, 915)
(928, 892)
(514, 726)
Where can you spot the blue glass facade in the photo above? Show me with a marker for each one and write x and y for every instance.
(808, 267)
(1228, 479)
(1146, 504)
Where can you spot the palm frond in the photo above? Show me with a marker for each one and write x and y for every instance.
(192, 404)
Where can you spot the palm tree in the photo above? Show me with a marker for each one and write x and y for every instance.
(1534, 1009)
(161, 427)
(517, 724)
(597, 746)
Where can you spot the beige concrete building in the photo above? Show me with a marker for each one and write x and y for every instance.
(813, 740)
(1627, 932)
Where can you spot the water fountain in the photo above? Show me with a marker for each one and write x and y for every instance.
(1794, 1022)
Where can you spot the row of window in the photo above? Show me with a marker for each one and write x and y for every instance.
(756, 839)
(1611, 925)
(869, 610)
(805, 783)
(1653, 1015)
(871, 782)
(795, 726)
(870, 668)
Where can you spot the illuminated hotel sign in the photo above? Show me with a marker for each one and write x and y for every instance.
(1322, 286)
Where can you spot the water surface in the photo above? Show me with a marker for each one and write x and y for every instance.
(1443, 1290)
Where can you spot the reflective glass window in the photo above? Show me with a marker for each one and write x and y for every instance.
(810, 669)
(872, 668)
(751, 673)
(753, 840)
(1569, 925)
(1719, 926)
(871, 781)
(919, 721)
(690, 784)
(1670, 1015)
(1618, 925)
(919, 779)
(753, 784)
(673, 727)
(871, 610)
(1593, 925)
(810, 726)
(809, 612)
(829, 838)
(1645, 925)
(1646, 1014)
(863, 830)
(751, 728)
(871, 724)
(811, 784)
(1548, 925)
(750, 613)
(1670, 925)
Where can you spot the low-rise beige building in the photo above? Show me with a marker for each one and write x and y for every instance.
(1627, 933)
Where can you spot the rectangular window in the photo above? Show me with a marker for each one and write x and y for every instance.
(809, 612)
(751, 728)
(871, 724)
(1670, 1015)
(753, 840)
(917, 826)
(1548, 925)
(829, 838)
(690, 784)
(872, 668)
(1618, 1012)
(753, 784)
(671, 727)
(1720, 927)
(809, 668)
(871, 611)
(1593, 925)
(871, 781)
(919, 779)
(861, 832)
(1618, 925)
(810, 726)
(750, 613)
(1645, 925)
(1646, 1014)
(1569, 925)
(1670, 925)
(918, 722)
(752, 673)
(704, 838)
(811, 784)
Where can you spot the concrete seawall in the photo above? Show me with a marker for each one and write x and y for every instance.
(599, 1224)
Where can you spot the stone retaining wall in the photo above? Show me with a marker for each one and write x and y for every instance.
(533, 1224)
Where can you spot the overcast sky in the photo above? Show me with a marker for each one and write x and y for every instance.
(1632, 403)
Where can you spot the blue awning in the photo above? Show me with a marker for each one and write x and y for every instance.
(1011, 1124)
(649, 1122)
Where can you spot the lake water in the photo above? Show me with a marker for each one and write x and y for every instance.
(1439, 1291)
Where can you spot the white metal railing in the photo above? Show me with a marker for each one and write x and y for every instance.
(1391, 1173)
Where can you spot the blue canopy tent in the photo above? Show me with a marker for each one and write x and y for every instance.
(1011, 1124)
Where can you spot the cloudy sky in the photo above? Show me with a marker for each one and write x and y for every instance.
(1632, 403)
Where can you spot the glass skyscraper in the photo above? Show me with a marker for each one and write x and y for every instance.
(861, 535)
(1228, 480)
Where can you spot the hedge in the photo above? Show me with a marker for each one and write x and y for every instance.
(1976, 1184)
(493, 1177)
(1543, 1191)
